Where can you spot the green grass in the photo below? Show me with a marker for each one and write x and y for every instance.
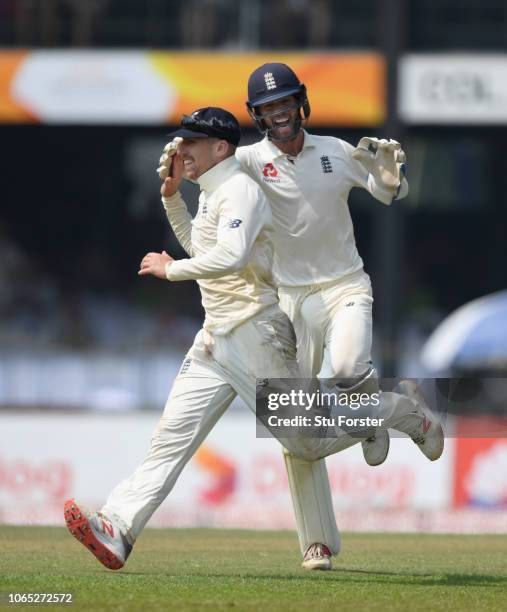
(206, 569)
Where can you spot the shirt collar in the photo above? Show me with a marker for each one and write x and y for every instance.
(215, 176)
(273, 151)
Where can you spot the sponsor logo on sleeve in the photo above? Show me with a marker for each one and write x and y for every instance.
(233, 223)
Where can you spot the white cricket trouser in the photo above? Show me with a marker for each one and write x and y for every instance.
(333, 325)
(333, 339)
(215, 370)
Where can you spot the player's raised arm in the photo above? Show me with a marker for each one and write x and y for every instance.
(241, 218)
(384, 161)
(171, 172)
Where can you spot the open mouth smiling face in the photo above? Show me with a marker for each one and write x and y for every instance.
(280, 115)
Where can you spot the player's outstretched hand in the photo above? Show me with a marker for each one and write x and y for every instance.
(155, 263)
(384, 159)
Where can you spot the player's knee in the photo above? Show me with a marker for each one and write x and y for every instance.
(347, 369)
(361, 378)
(305, 449)
(365, 383)
(350, 371)
(310, 454)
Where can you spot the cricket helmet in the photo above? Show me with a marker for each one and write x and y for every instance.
(271, 82)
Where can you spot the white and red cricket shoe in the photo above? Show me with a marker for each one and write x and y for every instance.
(317, 557)
(101, 536)
(425, 429)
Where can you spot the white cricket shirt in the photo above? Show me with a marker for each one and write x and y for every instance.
(230, 243)
(314, 236)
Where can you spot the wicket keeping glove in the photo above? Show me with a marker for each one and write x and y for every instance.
(385, 161)
(167, 157)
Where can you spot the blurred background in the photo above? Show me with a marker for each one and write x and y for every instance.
(88, 350)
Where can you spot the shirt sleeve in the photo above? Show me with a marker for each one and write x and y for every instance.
(242, 214)
(244, 158)
(180, 220)
(362, 178)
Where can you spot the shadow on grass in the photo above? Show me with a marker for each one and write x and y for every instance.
(445, 579)
(347, 575)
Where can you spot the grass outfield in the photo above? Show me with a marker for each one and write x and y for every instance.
(207, 569)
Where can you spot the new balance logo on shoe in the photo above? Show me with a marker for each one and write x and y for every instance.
(107, 527)
(97, 534)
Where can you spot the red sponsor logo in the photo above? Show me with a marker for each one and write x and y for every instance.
(480, 477)
(270, 170)
(392, 486)
(269, 477)
(223, 476)
(22, 478)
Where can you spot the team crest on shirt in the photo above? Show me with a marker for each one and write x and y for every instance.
(270, 174)
(326, 164)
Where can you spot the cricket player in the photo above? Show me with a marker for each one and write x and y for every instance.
(322, 284)
(244, 335)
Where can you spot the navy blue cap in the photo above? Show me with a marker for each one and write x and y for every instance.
(210, 122)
